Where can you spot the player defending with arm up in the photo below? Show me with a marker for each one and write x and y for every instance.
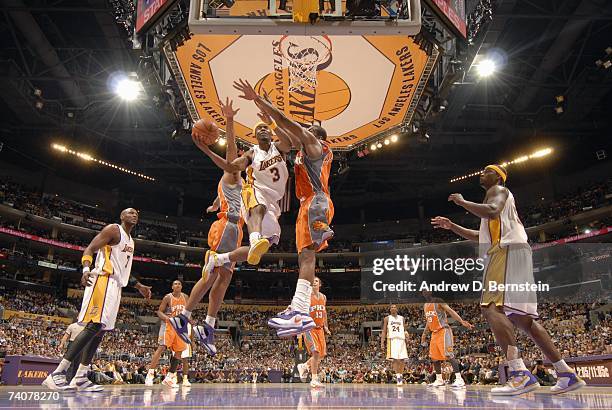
(312, 168)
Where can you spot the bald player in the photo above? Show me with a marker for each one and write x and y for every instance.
(509, 261)
(110, 273)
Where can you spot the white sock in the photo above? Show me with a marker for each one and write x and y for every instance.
(517, 364)
(222, 259)
(82, 371)
(185, 377)
(211, 320)
(63, 366)
(151, 372)
(562, 367)
(187, 313)
(458, 376)
(254, 237)
(301, 298)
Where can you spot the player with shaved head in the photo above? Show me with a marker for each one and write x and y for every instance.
(103, 280)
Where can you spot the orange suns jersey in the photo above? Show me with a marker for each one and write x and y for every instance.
(229, 201)
(318, 311)
(176, 305)
(436, 317)
(312, 175)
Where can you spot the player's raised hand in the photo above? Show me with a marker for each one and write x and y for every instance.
(440, 222)
(145, 291)
(247, 90)
(227, 109)
(212, 208)
(467, 324)
(264, 117)
(456, 198)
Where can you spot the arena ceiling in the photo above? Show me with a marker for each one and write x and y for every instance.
(69, 48)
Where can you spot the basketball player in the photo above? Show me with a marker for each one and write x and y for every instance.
(101, 299)
(312, 168)
(267, 176)
(441, 343)
(224, 236)
(509, 260)
(395, 335)
(315, 338)
(171, 305)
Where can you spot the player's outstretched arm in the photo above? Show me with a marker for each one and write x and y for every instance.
(311, 144)
(491, 209)
(239, 164)
(231, 150)
(285, 141)
(456, 316)
(440, 222)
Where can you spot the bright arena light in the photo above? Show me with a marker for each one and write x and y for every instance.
(387, 142)
(523, 158)
(394, 138)
(373, 147)
(379, 145)
(128, 89)
(486, 68)
(87, 157)
(222, 141)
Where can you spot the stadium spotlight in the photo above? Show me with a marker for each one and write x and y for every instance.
(373, 147)
(128, 89)
(486, 68)
(394, 138)
(379, 145)
(387, 142)
(222, 141)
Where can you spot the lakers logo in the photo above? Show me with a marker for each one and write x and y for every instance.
(93, 310)
(299, 85)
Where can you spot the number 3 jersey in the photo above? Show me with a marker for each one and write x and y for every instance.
(395, 327)
(268, 173)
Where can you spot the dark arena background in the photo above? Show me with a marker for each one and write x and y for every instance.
(98, 100)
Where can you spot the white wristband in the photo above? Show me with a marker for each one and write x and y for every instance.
(86, 269)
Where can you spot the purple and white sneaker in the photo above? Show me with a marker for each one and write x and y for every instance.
(205, 335)
(519, 382)
(57, 381)
(180, 323)
(291, 323)
(567, 381)
(83, 384)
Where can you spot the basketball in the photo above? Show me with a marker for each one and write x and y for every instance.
(207, 131)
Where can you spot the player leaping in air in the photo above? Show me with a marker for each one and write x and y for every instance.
(312, 169)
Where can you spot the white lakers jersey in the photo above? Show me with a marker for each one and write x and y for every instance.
(395, 327)
(506, 229)
(268, 172)
(116, 260)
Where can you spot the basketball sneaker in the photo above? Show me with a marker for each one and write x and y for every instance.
(257, 249)
(458, 383)
(292, 321)
(150, 378)
(438, 383)
(210, 263)
(316, 384)
(83, 384)
(170, 381)
(303, 371)
(206, 336)
(567, 381)
(519, 382)
(180, 324)
(322, 226)
(57, 381)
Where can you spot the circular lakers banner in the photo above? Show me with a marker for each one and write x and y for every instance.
(356, 87)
